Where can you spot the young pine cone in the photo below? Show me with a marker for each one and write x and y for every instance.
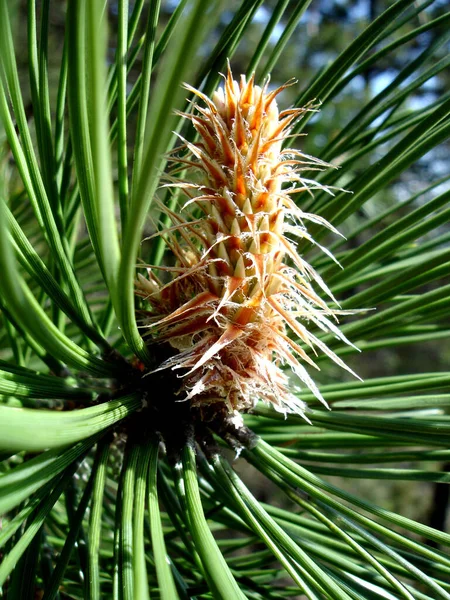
(239, 285)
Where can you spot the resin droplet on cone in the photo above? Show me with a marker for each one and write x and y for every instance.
(239, 284)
